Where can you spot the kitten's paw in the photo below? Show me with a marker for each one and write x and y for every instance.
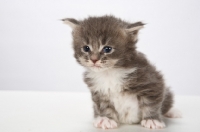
(105, 123)
(152, 124)
(173, 113)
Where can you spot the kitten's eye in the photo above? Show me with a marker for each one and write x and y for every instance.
(107, 49)
(86, 48)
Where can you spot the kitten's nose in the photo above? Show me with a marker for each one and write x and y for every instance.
(94, 60)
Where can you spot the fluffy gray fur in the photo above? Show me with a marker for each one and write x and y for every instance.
(153, 98)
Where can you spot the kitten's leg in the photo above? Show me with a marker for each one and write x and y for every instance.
(150, 104)
(104, 112)
(152, 117)
(167, 102)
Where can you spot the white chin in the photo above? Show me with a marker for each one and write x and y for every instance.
(97, 69)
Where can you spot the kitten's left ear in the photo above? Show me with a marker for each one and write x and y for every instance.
(71, 22)
(133, 29)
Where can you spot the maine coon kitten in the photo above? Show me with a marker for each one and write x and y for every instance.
(125, 87)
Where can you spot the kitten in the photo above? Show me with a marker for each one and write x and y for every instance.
(125, 87)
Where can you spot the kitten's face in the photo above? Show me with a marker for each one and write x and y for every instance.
(96, 55)
(101, 43)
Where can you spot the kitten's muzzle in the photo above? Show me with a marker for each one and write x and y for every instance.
(94, 60)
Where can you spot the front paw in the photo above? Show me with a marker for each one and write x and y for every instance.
(152, 124)
(105, 123)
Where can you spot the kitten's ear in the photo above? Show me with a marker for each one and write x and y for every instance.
(71, 22)
(133, 29)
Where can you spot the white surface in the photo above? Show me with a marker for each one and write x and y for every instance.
(36, 51)
(72, 112)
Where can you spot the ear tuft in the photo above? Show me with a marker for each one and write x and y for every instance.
(135, 27)
(71, 22)
(136, 24)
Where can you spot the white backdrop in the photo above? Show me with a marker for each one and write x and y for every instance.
(36, 51)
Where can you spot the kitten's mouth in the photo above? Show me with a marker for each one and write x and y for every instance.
(95, 66)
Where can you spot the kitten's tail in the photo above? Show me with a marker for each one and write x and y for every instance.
(167, 107)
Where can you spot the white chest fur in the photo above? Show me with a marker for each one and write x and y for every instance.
(110, 80)
(110, 83)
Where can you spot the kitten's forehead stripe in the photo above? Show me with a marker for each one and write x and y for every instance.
(95, 46)
(104, 40)
(87, 40)
(100, 48)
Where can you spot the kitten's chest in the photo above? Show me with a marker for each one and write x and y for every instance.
(109, 81)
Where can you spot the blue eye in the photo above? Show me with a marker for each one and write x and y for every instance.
(107, 49)
(86, 48)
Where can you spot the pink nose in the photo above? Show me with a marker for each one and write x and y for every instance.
(94, 61)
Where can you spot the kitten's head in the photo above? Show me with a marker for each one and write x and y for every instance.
(104, 42)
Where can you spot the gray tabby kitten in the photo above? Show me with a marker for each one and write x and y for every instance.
(125, 87)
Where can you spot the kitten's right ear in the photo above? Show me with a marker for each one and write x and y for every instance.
(73, 23)
(133, 29)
